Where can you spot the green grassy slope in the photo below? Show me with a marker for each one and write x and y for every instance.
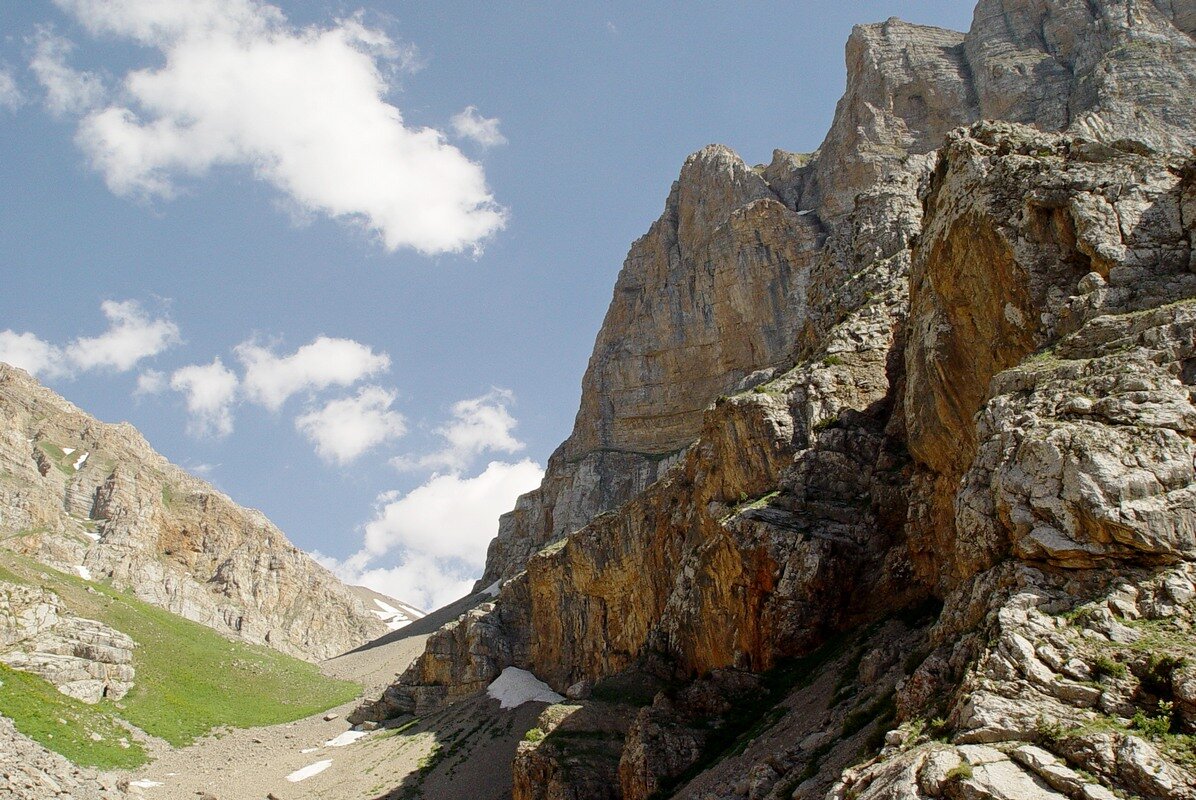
(189, 680)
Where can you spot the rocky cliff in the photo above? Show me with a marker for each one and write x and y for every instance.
(95, 500)
(885, 454)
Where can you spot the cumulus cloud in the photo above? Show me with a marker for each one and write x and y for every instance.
(132, 336)
(481, 424)
(27, 351)
(469, 124)
(236, 86)
(11, 97)
(270, 379)
(440, 532)
(344, 429)
(68, 91)
(151, 382)
(209, 391)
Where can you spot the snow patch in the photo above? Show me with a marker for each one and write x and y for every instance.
(493, 588)
(144, 783)
(309, 770)
(95, 537)
(307, 750)
(394, 618)
(84, 573)
(80, 461)
(348, 737)
(66, 451)
(515, 686)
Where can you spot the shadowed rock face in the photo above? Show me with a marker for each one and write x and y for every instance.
(985, 404)
(115, 509)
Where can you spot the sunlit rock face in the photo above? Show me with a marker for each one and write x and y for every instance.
(916, 408)
(95, 500)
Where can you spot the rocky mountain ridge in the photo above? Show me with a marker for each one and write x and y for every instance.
(914, 412)
(95, 500)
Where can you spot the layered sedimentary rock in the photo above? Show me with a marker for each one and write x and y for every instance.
(979, 437)
(84, 658)
(725, 283)
(95, 499)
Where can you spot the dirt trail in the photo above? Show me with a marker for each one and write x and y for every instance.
(463, 752)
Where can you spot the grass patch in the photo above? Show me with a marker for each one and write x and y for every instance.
(189, 679)
(65, 725)
(961, 772)
(65, 463)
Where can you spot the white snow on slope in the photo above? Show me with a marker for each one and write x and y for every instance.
(309, 770)
(84, 573)
(66, 451)
(144, 783)
(80, 461)
(395, 618)
(348, 737)
(515, 686)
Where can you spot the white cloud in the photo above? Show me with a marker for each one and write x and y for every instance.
(482, 424)
(132, 336)
(344, 429)
(270, 380)
(151, 382)
(237, 85)
(27, 351)
(469, 124)
(440, 532)
(210, 390)
(11, 97)
(68, 91)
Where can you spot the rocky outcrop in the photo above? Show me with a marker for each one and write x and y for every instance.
(85, 659)
(984, 409)
(714, 292)
(95, 499)
(30, 772)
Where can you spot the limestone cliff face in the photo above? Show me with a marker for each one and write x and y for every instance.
(715, 291)
(726, 283)
(95, 499)
(960, 500)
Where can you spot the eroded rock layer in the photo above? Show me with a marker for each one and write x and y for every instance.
(95, 500)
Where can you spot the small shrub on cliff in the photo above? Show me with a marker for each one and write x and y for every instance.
(1156, 678)
(959, 773)
(1050, 730)
(1155, 727)
(534, 735)
(1103, 666)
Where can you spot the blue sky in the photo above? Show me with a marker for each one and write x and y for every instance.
(395, 225)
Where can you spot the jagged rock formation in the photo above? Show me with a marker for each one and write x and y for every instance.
(929, 364)
(84, 658)
(727, 282)
(95, 499)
